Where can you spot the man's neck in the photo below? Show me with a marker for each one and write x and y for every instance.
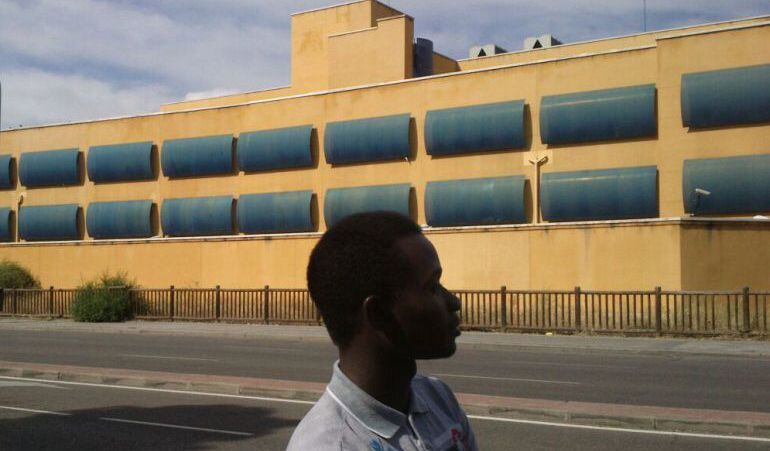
(385, 378)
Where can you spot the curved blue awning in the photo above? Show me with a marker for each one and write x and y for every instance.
(131, 219)
(191, 157)
(623, 193)
(607, 114)
(6, 176)
(726, 97)
(198, 216)
(50, 222)
(120, 162)
(362, 140)
(478, 128)
(50, 168)
(735, 185)
(275, 149)
(276, 212)
(487, 201)
(342, 202)
(6, 226)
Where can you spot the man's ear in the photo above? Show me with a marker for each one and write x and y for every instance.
(378, 314)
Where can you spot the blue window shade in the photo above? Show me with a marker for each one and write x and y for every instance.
(132, 219)
(6, 176)
(120, 162)
(49, 223)
(190, 157)
(275, 212)
(726, 97)
(375, 139)
(50, 168)
(6, 227)
(342, 202)
(736, 185)
(625, 193)
(198, 216)
(275, 149)
(498, 200)
(608, 114)
(480, 128)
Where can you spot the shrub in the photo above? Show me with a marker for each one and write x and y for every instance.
(13, 275)
(105, 299)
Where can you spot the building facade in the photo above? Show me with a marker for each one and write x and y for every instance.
(620, 163)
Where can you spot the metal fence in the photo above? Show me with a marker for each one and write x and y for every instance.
(571, 311)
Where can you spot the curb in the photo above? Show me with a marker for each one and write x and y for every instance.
(753, 424)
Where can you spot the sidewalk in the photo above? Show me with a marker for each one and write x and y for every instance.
(707, 346)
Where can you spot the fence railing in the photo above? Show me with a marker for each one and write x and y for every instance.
(645, 312)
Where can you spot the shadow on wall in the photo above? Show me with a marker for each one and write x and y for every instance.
(89, 429)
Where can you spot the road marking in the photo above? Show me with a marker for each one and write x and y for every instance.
(166, 390)
(165, 357)
(577, 365)
(20, 409)
(29, 384)
(477, 417)
(177, 426)
(539, 381)
(633, 431)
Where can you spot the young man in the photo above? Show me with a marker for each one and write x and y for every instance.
(376, 281)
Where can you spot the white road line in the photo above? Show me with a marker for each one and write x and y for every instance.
(633, 431)
(177, 426)
(477, 417)
(35, 411)
(539, 381)
(165, 390)
(164, 357)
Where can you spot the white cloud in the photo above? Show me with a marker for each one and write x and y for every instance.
(32, 97)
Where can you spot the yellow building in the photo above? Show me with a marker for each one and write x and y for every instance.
(620, 163)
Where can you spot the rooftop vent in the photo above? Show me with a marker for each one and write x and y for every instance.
(541, 42)
(485, 50)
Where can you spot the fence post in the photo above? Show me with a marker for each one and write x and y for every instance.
(50, 301)
(13, 301)
(266, 305)
(578, 313)
(503, 308)
(746, 313)
(171, 303)
(2, 299)
(217, 312)
(658, 313)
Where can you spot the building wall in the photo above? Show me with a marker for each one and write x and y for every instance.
(726, 257)
(599, 257)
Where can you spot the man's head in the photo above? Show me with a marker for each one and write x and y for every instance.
(376, 274)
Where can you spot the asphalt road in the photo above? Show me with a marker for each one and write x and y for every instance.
(621, 377)
(69, 416)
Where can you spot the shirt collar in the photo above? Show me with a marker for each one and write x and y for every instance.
(374, 415)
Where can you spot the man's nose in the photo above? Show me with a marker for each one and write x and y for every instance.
(453, 302)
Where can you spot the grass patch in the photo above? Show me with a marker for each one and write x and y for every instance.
(105, 299)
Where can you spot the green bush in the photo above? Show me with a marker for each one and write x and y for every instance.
(105, 299)
(13, 275)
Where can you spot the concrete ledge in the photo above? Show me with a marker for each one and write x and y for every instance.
(756, 424)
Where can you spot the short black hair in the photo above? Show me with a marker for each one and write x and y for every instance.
(354, 259)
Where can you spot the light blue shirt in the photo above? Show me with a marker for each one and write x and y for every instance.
(348, 418)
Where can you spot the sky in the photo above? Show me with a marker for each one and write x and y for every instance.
(72, 60)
